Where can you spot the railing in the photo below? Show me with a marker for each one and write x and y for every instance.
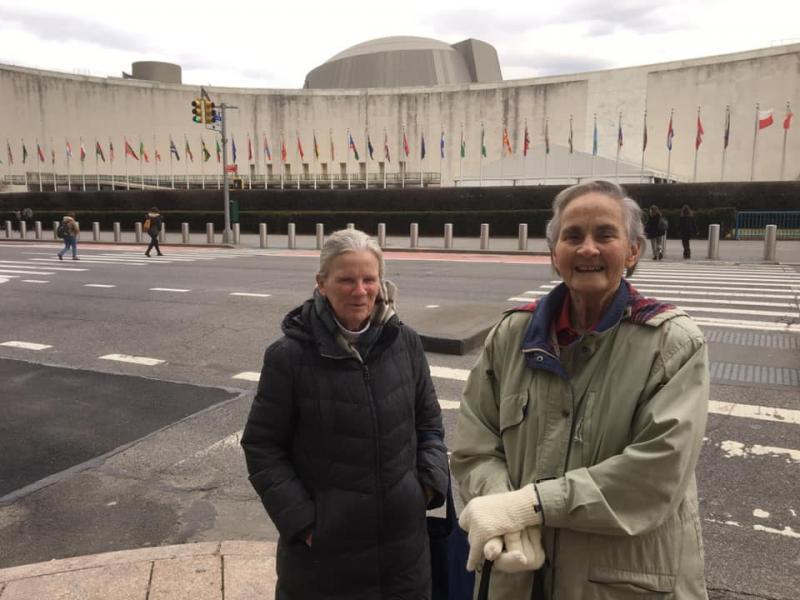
(750, 224)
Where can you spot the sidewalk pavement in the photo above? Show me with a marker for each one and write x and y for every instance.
(202, 571)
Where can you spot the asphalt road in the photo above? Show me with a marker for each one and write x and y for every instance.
(195, 347)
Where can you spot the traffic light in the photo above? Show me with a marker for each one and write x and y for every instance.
(210, 113)
(197, 110)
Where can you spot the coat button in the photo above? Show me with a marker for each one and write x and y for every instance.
(539, 358)
(586, 349)
(565, 413)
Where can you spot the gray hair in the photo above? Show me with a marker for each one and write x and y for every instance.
(631, 211)
(348, 240)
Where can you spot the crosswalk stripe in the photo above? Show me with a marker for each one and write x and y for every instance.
(753, 325)
(251, 294)
(21, 272)
(137, 360)
(738, 449)
(99, 285)
(25, 345)
(177, 290)
(744, 281)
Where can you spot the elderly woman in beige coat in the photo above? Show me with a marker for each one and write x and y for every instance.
(581, 425)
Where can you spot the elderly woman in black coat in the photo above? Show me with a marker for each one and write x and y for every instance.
(344, 443)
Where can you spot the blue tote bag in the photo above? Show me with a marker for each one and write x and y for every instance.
(449, 551)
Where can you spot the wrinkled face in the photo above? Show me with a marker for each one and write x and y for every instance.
(593, 251)
(351, 287)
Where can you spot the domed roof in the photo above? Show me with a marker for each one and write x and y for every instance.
(392, 44)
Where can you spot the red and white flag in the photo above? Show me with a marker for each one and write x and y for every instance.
(765, 118)
(700, 131)
(787, 120)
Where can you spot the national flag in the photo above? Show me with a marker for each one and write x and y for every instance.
(128, 151)
(386, 154)
(526, 142)
(110, 151)
(726, 136)
(352, 144)
(40, 152)
(157, 154)
(250, 148)
(267, 152)
(547, 137)
(700, 131)
(10, 154)
(283, 150)
(569, 139)
(98, 151)
(506, 141)
(370, 149)
(24, 153)
(670, 134)
(53, 155)
(143, 152)
(765, 118)
(644, 135)
(483, 142)
(463, 148)
(595, 139)
(333, 155)
(188, 151)
(300, 148)
(204, 150)
(441, 145)
(82, 152)
(173, 150)
(233, 149)
(406, 149)
(422, 147)
(619, 134)
(316, 147)
(787, 120)
(68, 150)
(219, 151)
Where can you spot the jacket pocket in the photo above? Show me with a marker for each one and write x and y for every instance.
(641, 564)
(513, 408)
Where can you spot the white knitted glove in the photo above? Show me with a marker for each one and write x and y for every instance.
(523, 550)
(486, 517)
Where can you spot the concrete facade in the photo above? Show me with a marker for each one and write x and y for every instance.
(54, 107)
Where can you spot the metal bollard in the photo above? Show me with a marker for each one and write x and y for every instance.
(382, 235)
(262, 235)
(522, 236)
(162, 235)
(209, 233)
(448, 236)
(185, 237)
(117, 232)
(137, 232)
(351, 225)
(95, 231)
(290, 233)
(320, 235)
(770, 242)
(414, 235)
(23, 229)
(37, 228)
(55, 228)
(484, 236)
(8, 228)
(237, 233)
(713, 242)
(78, 225)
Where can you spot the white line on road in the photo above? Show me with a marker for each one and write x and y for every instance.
(89, 260)
(24, 272)
(34, 281)
(99, 285)
(137, 360)
(177, 290)
(26, 345)
(448, 373)
(248, 376)
(737, 449)
(250, 294)
(740, 311)
(786, 531)
(754, 325)
(19, 264)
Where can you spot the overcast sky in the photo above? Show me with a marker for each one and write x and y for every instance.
(274, 44)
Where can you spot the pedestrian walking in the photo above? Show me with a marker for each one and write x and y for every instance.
(656, 231)
(27, 216)
(68, 230)
(344, 442)
(581, 425)
(152, 225)
(688, 229)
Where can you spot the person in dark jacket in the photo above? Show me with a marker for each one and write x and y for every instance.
(688, 229)
(344, 442)
(655, 230)
(154, 220)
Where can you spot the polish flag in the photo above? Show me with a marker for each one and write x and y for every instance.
(765, 118)
(787, 121)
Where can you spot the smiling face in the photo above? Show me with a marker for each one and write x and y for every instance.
(351, 287)
(592, 251)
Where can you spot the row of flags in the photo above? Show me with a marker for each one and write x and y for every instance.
(764, 119)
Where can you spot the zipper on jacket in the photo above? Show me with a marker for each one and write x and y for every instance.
(378, 490)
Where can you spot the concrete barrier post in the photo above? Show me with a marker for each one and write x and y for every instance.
(523, 237)
(162, 235)
(351, 225)
(95, 231)
(382, 235)
(262, 235)
(713, 242)
(8, 228)
(37, 228)
(770, 242)
(23, 229)
(117, 232)
(237, 233)
(78, 225)
(484, 236)
(209, 233)
(55, 229)
(185, 237)
(448, 236)
(290, 231)
(414, 235)
(320, 235)
(137, 232)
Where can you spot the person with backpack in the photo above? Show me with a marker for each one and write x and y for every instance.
(688, 229)
(152, 225)
(68, 231)
(656, 231)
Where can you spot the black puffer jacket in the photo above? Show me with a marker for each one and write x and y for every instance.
(342, 449)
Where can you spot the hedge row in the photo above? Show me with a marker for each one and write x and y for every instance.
(465, 223)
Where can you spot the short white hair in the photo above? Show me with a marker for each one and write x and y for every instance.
(348, 240)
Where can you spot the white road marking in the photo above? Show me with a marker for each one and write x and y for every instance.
(137, 360)
(248, 376)
(755, 325)
(695, 291)
(89, 260)
(786, 531)
(737, 449)
(19, 264)
(99, 285)
(251, 294)
(449, 404)
(432, 306)
(448, 373)
(177, 290)
(742, 281)
(34, 281)
(24, 272)
(26, 345)
(740, 311)
(760, 514)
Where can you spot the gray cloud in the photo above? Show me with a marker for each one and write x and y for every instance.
(67, 28)
(477, 23)
(551, 63)
(640, 16)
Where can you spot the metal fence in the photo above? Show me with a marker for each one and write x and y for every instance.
(750, 224)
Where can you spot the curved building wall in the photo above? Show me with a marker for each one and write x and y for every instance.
(53, 107)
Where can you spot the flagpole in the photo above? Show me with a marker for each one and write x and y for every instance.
(385, 155)
(186, 159)
(367, 143)
(171, 171)
(755, 140)
(669, 149)
(785, 136)
(725, 140)
(96, 165)
(297, 156)
(421, 159)
(202, 163)
(53, 161)
(571, 147)
(127, 178)
(480, 168)
(644, 146)
(24, 169)
(155, 159)
(333, 160)
(141, 163)
(619, 130)
(111, 165)
(83, 171)
(441, 154)
(461, 152)
(503, 150)
(69, 171)
(39, 164)
(405, 159)
(316, 157)
(594, 144)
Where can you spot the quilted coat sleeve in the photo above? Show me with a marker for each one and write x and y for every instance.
(432, 467)
(633, 492)
(267, 442)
